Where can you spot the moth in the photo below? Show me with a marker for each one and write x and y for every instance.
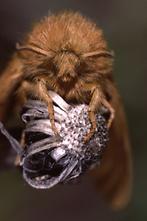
(68, 54)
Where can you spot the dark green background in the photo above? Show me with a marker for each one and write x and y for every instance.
(125, 26)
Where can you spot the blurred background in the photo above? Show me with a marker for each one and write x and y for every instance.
(125, 27)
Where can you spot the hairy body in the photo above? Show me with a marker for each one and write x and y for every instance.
(68, 54)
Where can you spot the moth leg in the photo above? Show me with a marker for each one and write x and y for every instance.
(92, 119)
(38, 89)
(22, 144)
(112, 112)
(43, 94)
(25, 88)
(93, 107)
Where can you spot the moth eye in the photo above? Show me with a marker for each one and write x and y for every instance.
(48, 66)
(83, 67)
(52, 67)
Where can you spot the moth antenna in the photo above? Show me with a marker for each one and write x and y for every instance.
(98, 53)
(32, 48)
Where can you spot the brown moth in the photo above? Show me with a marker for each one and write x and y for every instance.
(68, 54)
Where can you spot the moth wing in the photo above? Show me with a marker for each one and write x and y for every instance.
(9, 79)
(113, 177)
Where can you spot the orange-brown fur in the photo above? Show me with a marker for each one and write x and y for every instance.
(68, 54)
(66, 66)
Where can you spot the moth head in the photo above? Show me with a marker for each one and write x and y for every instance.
(69, 63)
(66, 62)
(67, 45)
